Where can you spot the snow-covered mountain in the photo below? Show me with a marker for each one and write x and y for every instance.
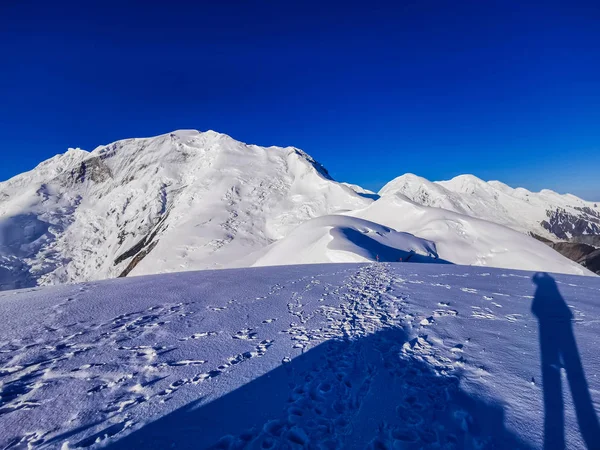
(462, 239)
(180, 201)
(545, 213)
(394, 228)
(192, 200)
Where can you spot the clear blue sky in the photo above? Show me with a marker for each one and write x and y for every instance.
(505, 90)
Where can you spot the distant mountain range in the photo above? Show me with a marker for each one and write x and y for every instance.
(567, 223)
(192, 200)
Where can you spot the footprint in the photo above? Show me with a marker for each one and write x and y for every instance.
(245, 334)
(480, 313)
(111, 431)
(445, 312)
(199, 335)
(187, 362)
(206, 376)
(513, 317)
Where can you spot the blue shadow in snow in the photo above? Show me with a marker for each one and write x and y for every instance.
(356, 394)
(559, 350)
(385, 253)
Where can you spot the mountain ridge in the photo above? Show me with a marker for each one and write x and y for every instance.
(82, 211)
(546, 213)
(190, 200)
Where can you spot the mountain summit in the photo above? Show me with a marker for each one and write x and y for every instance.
(180, 201)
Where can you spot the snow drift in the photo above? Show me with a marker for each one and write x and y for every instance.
(346, 239)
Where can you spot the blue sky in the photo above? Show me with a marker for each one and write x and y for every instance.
(504, 90)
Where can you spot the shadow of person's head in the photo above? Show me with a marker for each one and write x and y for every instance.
(542, 279)
(548, 303)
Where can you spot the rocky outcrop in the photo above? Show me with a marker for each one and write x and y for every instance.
(593, 240)
(586, 255)
(565, 225)
(580, 249)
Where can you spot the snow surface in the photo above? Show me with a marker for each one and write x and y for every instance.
(376, 356)
(362, 191)
(466, 240)
(345, 239)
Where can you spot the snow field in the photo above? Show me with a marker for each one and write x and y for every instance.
(322, 356)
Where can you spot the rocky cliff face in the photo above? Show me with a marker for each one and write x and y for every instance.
(566, 225)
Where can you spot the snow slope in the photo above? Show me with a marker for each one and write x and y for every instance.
(462, 239)
(545, 213)
(181, 201)
(357, 356)
(339, 238)
(393, 227)
(362, 191)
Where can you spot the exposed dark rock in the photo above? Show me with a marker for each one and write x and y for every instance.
(572, 250)
(92, 169)
(588, 211)
(592, 239)
(592, 261)
(584, 254)
(142, 248)
(565, 225)
(541, 239)
(580, 249)
(137, 258)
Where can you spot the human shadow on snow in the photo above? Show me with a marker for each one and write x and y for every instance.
(374, 392)
(559, 350)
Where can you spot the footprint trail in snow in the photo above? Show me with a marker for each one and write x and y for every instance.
(378, 356)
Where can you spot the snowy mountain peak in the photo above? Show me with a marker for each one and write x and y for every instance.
(186, 134)
(179, 201)
(408, 181)
(546, 213)
(465, 183)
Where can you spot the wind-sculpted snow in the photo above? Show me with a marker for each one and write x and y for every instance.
(345, 239)
(376, 356)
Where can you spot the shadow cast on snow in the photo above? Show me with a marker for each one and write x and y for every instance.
(383, 252)
(559, 351)
(371, 392)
